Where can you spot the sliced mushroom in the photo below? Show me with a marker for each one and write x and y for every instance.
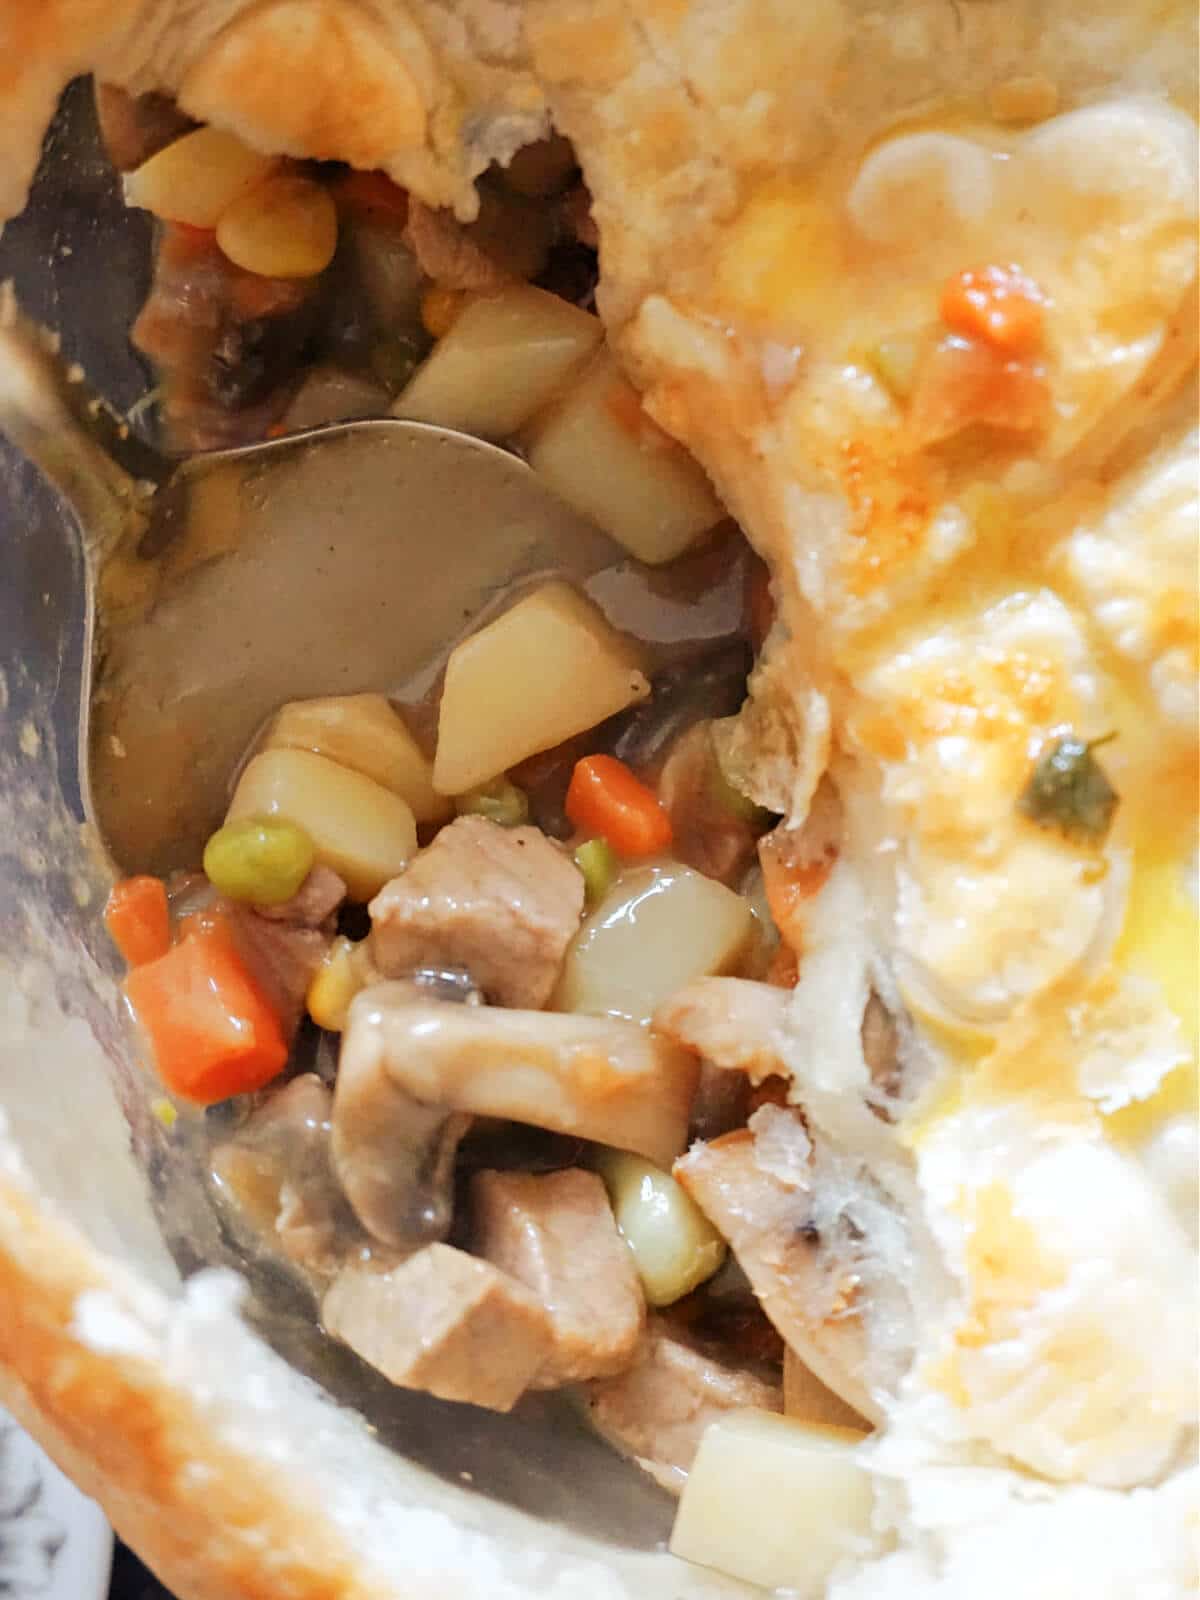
(393, 1153)
(593, 1077)
(799, 1282)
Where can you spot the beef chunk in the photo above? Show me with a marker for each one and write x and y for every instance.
(277, 1173)
(556, 1235)
(314, 903)
(136, 127)
(501, 902)
(286, 944)
(444, 1322)
(658, 1410)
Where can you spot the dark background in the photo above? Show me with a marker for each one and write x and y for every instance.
(131, 1580)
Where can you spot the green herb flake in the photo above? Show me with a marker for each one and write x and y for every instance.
(1069, 791)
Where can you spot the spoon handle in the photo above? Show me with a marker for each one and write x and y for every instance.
(36, 417)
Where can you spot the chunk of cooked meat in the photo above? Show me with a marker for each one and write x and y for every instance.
(227, 343)
(284, 957)
(658, 1410)
(595, 1078)
(313, 904)
(502, 902)
(277, 1172)
(444, 1322)
(556, 1235)
(733, 1023)
(135, 127)
(767, 1221)
(508, 241)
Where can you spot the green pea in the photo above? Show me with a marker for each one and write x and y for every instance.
(596, 860)
(501, 801)
(260, 859)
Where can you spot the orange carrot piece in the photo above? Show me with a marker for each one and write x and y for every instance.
(999, 305)
(137, 919)
(212, 1030)
(604, 797)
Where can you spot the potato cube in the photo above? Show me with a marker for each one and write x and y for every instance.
(360, 829)
(656, 929)
(775, 1502)
(366, 732)
(548, 668)
(504, 358)
(196, 178)
(600, 451)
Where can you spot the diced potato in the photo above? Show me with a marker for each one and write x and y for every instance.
(285, 227)
(600, 451)
(543, 671)
(360, 829)
(367, 733)
(197, 177)
(775, 1502)
(505, 356)
(656, 929)
(674, 1246)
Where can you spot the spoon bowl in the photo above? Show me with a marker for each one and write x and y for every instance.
(337, 560)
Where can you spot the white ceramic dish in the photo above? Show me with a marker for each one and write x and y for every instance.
(54, 1542)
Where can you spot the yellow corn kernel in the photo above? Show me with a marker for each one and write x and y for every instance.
(440, 309)
(337, 980)
(285, 227)
(165, 1112)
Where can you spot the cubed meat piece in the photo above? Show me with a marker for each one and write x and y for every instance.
(284, 958)
(277, 1174)
(313, 904)
(556, 1235)
(658, 1410)
(508, 240)
(444, 1322)
(800, 1285)
(136, 127)
(502, 902)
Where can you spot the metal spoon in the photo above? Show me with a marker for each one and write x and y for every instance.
(331, 561)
